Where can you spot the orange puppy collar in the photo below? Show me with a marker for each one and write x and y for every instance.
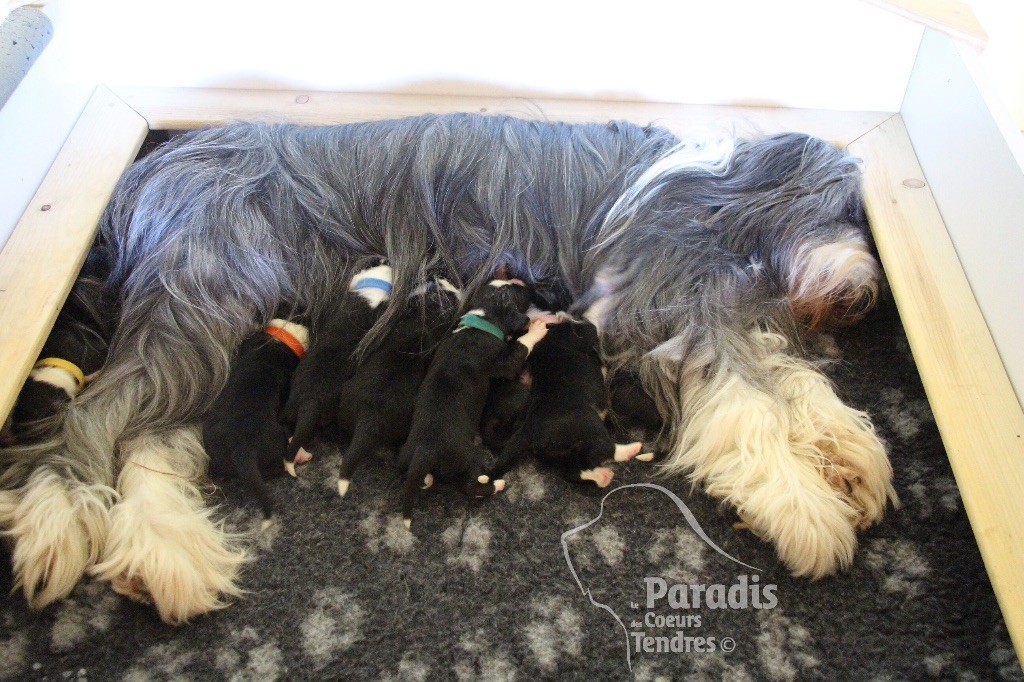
(287, 339)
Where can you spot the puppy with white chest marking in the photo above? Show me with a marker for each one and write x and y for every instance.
(242, 433)
(444, 441)
(377, 402)
(74, 351)
(564, 423)
(316, 387)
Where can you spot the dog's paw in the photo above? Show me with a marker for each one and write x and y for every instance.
(843, 443)
(858, 469)
(624, 453)
(303, 457)
(165, 549)
(57, 535)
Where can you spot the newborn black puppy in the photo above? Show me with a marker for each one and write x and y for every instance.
(631, 406)
(316, 386)
(564, 423)
(444, 438)
(507, 400)
(504, 411)
(75, 349)
(241, 432)
(377, 402)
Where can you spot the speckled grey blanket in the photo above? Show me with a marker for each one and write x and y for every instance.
(339, 590)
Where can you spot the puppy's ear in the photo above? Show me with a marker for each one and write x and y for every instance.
(519, 322)
(588, 332)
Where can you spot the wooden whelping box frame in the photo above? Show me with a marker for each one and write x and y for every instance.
(974, 404)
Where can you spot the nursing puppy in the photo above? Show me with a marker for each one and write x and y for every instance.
(75, 349)
(564, 423)
(444, 441)
(505, 409)
(241, 432)
(631, 406)
(316, 387)
(377, 402)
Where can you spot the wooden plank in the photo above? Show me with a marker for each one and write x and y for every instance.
(40, 261)
(978, 184)
(952, 17)
(977, 412)
(187, 108)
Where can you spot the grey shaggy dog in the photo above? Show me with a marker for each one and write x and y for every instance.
(702, 264)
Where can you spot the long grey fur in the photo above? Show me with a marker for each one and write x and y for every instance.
(219, 229)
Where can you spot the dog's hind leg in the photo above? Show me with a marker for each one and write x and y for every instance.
(477, 464)
(593, 452)
(517, 447)
(164, 545)
(417, 464)
(249, 475)
(305, 428)
(58, 527)
(365, 439)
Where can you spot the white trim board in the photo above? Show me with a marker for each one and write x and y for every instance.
(978, 185)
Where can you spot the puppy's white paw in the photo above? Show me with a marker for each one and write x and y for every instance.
(601, 476)
(290, 468)
(343, 484)
(624, 453)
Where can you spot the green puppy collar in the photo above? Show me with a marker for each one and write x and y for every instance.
(477, 322)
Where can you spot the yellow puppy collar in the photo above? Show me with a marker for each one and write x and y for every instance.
(69, 367)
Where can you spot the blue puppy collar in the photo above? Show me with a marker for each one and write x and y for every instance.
(477, 322)
(374, 283)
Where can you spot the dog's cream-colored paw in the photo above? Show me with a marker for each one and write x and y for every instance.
(58, 533)
(164, 546)
(171, 554)
(842, 440)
